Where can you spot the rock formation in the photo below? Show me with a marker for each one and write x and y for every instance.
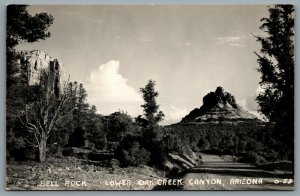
(37, 65)
(219, 106)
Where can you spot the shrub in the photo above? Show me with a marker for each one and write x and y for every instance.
(273, 155)
(174, 171)
(158, 153)
(100, 156)
(203, 144)
(68, 152)
(78, 137)
(135, 156)
(114, 163)
(129, 153)
(56, 151)
(253, 157)
(112, 146)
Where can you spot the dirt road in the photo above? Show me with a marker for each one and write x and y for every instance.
(217, 174)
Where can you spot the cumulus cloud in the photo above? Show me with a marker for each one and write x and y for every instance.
(236, 41)
(177, 113)
(109, 91)
(250, 103)
(174, 114)
(242, 103)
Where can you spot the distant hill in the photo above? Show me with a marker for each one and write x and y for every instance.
(219, 106)
(220, 126)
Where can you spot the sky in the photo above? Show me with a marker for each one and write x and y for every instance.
(188, 50)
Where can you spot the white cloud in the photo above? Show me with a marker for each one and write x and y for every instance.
(82, 17)
(177, 113)
(236, 41)
(251, 105)
(242, 103)
(188, 44)
(109, 91)
(229, 38)
(259, 90)
(248, 104)
(142, 39)
(237, 44)
(173, 114)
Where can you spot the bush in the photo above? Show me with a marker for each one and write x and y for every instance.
(253, 157)
(174, 171)
(56, 151)
(114, 163)
(17, 148)
(100, 156)
(171, 143)
(78, 137)
(129, 153)
(68, 152)
(203, 144)
(135, 156)
(158, 153)
(111, 146)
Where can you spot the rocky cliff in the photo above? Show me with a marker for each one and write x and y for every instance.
(219, 106)
(36, 65)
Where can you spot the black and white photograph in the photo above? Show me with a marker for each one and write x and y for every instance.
(156, 97)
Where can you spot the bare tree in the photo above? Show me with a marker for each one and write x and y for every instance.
(45, 111)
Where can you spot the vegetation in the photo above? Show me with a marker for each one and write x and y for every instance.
(18, 23)
(19, 101)
(276, 64)
(30, 175)
(143, 144)
(44, 112)
(130, 153)
(151, 113)
(42, 123)
(223, 138)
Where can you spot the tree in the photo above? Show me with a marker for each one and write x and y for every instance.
(130, 153)
(82, 105)
(153, 116)
(44, 112)
(21, 27)
(81, 117)
(120, 124)
(276, 64)
(203, 144)
(96, 135)
(152, 133)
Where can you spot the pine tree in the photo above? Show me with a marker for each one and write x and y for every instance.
(80, 115)
(21, 27)
(276, 64)
(152, 133)
(153, 116)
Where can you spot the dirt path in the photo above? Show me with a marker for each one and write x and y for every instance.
(217, 174)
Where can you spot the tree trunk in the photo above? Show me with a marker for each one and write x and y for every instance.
(42, 148)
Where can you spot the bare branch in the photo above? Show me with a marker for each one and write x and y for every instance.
(37, 139)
